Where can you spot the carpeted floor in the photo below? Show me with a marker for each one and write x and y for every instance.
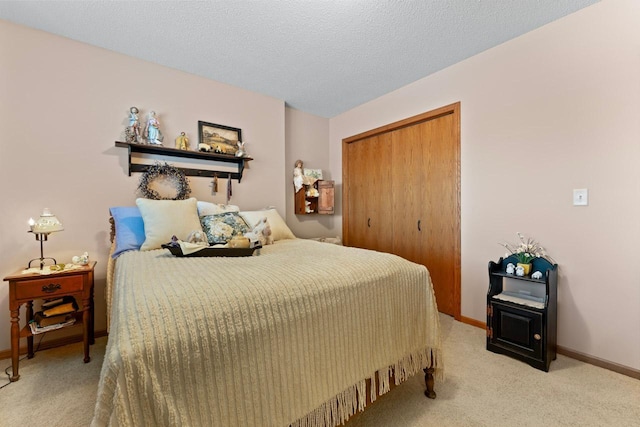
(480, 389)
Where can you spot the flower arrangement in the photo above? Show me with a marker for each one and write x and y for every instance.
(526, 250)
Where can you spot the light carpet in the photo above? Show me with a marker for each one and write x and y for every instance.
(480, 389)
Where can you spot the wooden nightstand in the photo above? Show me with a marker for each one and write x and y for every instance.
(26, 287)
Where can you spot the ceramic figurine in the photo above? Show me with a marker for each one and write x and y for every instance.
(241, 152)
(536, 275)
(152, 130)
(510, 268)
(298, 175)
(198, 237)
(520, 271)
(182, 142)
(81, 260)
(134, 123)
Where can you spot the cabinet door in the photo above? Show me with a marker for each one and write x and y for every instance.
(518, 330)
(369, 221)
(326, 195)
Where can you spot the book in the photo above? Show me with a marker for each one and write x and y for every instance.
(52, 303)
(60, 309)
(43, 321)
(59, 306)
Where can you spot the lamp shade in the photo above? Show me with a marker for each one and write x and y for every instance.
(47, 223)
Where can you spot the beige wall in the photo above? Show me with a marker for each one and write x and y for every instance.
(306, 139)
(553, 110)
(62, 106)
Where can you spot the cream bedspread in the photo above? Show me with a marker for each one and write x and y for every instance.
(286, 337)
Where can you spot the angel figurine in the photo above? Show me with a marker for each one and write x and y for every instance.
(298, 175)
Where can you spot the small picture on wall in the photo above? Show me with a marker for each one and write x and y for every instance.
(218, 138)
(315, 174)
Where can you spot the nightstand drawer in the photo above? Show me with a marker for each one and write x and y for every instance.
(49, 287)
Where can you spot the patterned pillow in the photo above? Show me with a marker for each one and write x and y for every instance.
(220, 228)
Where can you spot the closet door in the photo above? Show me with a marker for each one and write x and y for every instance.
(367, 213)
(440, 213)
(410, 228)
(417, 167)
(423, 182)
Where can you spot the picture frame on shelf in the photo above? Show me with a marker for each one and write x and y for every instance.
(218, 139)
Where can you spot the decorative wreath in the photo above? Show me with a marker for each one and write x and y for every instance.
(168, 172)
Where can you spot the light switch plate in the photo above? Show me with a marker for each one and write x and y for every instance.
(580, 197)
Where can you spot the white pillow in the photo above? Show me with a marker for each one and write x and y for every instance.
(279, 228)
(206, 208)
(166, 218)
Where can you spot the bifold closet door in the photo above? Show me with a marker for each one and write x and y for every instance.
(409, 172)
(423, 181)
(401, 194)
(440, 214)
(369, 222)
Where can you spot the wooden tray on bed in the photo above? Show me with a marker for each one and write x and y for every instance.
(212, 251)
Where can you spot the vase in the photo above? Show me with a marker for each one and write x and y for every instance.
(525, 267)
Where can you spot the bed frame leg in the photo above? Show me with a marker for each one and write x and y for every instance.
(428, 379)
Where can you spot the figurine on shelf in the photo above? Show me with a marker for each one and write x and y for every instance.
(182, 141)
(520, 271)
(241, 152)
(132, 132)
(536, 275)
(510, 268)
(298, 175)
(152, 130)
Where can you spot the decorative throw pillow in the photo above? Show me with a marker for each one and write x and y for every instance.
(220, 228)
(279, 228)
(129, 229)
(207, 208)
(166, 218)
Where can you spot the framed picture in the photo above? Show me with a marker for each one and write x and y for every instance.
(316, 174)
(218, 138)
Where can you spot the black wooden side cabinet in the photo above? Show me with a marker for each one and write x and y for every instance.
(521, 320)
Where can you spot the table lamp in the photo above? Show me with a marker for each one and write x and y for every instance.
(45, 225)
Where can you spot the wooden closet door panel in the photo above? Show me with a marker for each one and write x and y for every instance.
(369, 183)
(355, 200)
(440, 217)
(408, 186)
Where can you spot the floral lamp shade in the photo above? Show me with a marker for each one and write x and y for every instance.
(47, 223)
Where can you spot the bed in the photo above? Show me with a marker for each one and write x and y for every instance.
(302, 333)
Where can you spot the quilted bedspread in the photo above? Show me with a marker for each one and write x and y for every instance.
(286, 337)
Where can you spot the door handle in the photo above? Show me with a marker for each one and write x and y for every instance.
(419, 226)
(369, 222)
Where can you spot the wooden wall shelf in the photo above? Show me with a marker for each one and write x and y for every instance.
(173, 152)
(320, 203)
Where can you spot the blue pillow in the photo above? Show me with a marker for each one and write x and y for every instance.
(129, 229)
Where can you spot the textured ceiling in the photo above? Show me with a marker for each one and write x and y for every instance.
(319, 56)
